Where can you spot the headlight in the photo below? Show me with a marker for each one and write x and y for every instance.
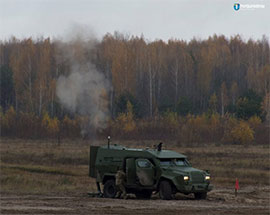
(186, 178)
(207, 177)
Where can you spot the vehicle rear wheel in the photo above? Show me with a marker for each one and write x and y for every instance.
(165, 190)
(109, 190)
(143, 194)
(199, 196)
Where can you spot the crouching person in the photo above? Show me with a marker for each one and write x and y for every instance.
(120, 184)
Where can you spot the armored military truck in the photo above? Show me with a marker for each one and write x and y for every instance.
(147, 170)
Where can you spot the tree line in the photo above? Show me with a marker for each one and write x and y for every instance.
(218, 76)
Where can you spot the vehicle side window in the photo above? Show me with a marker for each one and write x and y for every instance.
(143, 164)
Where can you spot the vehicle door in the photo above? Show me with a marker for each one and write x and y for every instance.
(130, 171)
(145, 172)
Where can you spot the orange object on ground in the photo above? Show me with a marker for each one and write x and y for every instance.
(237, 184)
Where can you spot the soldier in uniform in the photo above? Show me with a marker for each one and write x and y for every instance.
(119, 182)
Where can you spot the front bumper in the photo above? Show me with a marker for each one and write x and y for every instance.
(195, 188)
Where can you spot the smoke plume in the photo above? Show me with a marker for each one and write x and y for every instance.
(84, 90)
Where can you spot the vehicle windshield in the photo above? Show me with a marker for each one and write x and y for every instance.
(174, 162)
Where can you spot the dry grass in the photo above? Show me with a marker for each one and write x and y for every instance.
(42, 167)
(251, 164)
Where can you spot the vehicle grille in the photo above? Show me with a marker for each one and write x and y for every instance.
(197, 177)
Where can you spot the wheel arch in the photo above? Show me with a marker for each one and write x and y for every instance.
(169, 179)
(107, 177)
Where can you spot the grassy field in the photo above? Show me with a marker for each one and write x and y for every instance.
(44, 167)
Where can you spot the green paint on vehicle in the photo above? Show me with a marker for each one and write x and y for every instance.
(147, 170)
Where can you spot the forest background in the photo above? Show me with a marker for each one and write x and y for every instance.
(215, 90)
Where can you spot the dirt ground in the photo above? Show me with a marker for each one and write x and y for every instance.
(44, 178)
(250, 200)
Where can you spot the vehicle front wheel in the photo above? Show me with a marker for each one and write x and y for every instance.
(199, 196)
(165, 190)
(109, 190)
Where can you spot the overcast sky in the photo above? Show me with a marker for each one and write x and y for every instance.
(155, 19)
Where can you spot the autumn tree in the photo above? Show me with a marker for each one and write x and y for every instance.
(213, 104)
(121, 104)
(249, 105)
(125, 121)
(23, 64)
(234, 92)
(42, 82)
(242, 133)
(266, 106)
(7, 87)
(184, 106)
(175, 76)
(223, 97)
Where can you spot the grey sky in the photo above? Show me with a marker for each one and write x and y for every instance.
(163, 19)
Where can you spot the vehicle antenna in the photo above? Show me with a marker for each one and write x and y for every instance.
(109, 138)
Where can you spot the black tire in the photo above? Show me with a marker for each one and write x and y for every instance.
(144, 194)
(109, 190)
(200, 196)
(165, 190)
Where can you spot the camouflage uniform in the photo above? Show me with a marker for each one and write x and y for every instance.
(119, 182)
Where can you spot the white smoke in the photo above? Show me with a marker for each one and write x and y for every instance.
(84, 90)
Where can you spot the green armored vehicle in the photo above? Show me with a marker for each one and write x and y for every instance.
(147, 170)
